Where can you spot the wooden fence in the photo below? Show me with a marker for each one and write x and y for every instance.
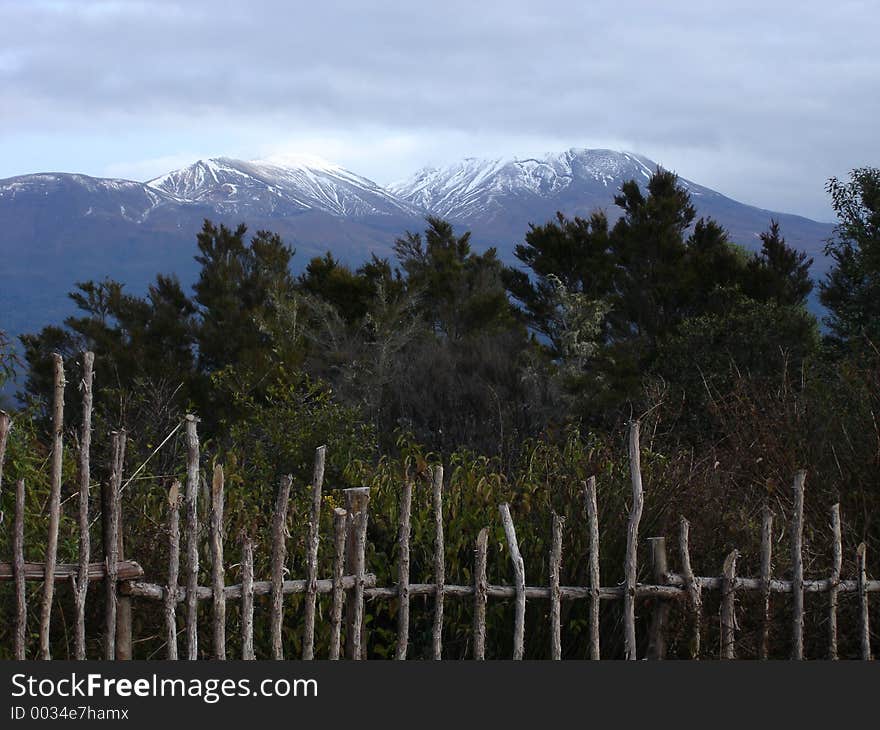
(351, 583)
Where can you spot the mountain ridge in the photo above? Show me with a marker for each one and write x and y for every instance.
(60, 228)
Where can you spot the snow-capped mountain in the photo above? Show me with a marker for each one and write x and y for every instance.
(481, 190)
(58, 228)
(279, 187)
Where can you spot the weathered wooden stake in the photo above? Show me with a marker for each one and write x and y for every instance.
(85, 442)
(766, 568)
(834, 581)
(358, 500)
(340, 525)
(632, 541)
(595, 583)
(728, 609)
(865, 626)
(403, 569)
(693, 587)
(123, 602)
(660, 612)
(112, 550)
(171, 589)
(192, 537)
(308, 651)
(279, 558)
(439, 563)
(247, 599)
(555, 563)
(520, 582)
(218, 575)
(797, 561)
(54, 506)
(480, 595)
(18, 570)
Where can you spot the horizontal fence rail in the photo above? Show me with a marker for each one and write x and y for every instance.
(352, 584)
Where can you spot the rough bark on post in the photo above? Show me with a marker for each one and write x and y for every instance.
(632, 540)
(54, 505)
(657, 633)
(85, 545)
(439, 563)
(403, 569)
(123, 602)
(797, 561)
(247, 599)
(595, 584)
(340, 524)
(694, 589)
(279, 558)
(520, 582)
(308, 651)
(834, 582)
(112, 557)
(192, 537)
(728, 609)
(18, 570)
(480, 595)
(555, 563)
(218, 575)
(865, 625)
(766, 567)
(359, 500)
(173, 570)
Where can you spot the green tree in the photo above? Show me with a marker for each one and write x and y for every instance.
(851, 291)
(778, 272)
(572, 253)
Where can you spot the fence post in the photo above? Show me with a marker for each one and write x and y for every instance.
(403, 568)
(192, 537)
(797, 560)
(834, 582)
(18, 570)
(555, 564)
(357, 502)
(520, 578)
(247, 598)
(279, 558)
(54, 506)
(766, 566)
(218, 574)
(657, 633)
(123, 603)
(865, 627)
(480, 588)
(694, 588)
(85, 545)
(308, 644)
(171, 589)
(631, 565)
(595, 584)
(439, 562)
(728, 608)
(340, 524)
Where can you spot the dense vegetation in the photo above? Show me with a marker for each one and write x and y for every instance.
(519, 379)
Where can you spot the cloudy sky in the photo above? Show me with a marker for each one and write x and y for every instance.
(760, 100)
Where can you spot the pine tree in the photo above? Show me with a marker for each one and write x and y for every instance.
(851, 291)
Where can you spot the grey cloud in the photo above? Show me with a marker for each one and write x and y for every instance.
(790, 84)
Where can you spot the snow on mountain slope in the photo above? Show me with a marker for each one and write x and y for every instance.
(279, 186)
(476, 188)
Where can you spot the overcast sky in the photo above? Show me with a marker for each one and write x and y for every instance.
(762, 101)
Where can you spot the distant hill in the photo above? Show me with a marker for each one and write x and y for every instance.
(59, 228)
